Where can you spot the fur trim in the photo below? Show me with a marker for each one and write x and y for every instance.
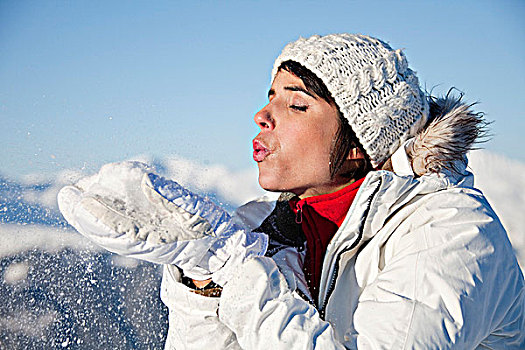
(452, 130)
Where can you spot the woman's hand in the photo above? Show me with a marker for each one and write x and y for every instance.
(130, 210)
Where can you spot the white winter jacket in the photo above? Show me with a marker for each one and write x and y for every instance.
(417, 263)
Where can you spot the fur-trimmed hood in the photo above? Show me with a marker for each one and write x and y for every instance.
(452, 130)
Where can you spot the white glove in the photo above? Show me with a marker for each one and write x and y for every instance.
(129, 210)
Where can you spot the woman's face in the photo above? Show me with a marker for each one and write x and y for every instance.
(293, 147)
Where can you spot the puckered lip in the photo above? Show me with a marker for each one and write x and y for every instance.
(260, 150)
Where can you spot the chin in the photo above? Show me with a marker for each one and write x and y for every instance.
(276, 184)
(270, 183)
(268, 186)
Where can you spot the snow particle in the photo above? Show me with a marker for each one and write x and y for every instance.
(16, 273)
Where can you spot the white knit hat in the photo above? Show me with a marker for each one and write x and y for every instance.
(371, 84)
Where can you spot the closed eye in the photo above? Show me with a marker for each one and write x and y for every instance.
(299, 108)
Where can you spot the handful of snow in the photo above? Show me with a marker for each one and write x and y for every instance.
(128, 209)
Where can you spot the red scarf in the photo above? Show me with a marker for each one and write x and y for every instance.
(320, 217)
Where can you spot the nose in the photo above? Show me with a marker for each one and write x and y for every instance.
(264, 119)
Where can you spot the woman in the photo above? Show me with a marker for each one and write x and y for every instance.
(410, 256)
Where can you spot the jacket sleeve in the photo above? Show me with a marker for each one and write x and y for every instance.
(193, 319)
(264, 313)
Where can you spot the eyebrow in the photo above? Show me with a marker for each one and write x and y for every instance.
(271, 92)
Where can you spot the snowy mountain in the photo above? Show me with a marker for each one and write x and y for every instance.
(61, 291)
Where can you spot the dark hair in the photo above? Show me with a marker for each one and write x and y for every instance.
(345, 138)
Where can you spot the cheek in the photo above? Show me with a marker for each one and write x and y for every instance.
(307, 152)
(316, 142)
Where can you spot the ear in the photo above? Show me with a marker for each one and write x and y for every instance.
(355, 153)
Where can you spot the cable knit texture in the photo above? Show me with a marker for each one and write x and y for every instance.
(371, 84)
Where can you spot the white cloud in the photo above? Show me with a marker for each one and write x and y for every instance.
(237, 187)
(503, 183)
(20, 238)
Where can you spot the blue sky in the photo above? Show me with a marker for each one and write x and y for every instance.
(83, 83)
